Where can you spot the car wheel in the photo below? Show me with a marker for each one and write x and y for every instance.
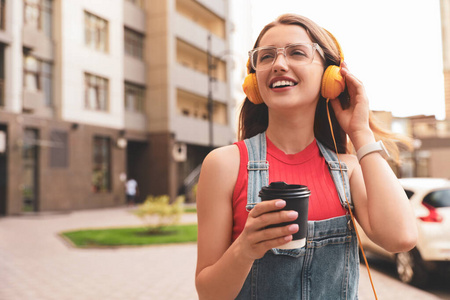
(410, 268)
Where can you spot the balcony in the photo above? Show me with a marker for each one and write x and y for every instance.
(197, 83)
(135, 121)
(197, 36)
(133, 16)
(134, 70)
(195, 131)
(36, 40)
(217, 6)
(33, 100)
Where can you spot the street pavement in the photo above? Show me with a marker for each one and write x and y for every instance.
(37, 264)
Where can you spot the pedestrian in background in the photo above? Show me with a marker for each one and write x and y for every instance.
(132, 191)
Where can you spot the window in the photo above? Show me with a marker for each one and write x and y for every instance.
(95, 92)
(2, 75)
(134, 43)
(438, 199)
(38, 13)
(38, 77)
(101, 171)
(134, 98)
(2, 92)
(59, 154)
(96, 32)
(139, 3)
(2, 14)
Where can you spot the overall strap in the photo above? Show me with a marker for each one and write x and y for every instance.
(333, 165)
(257, 167)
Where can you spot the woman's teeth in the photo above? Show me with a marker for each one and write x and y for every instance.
(282, 83)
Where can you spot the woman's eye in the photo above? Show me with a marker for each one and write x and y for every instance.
(265, 56)
(297, 53)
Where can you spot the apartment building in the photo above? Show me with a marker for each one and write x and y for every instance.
(95, 91)
(430, 142)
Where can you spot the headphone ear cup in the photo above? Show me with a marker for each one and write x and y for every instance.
(250, 87)
(333, 84)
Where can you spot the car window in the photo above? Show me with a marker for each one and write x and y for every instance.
(440, 198)
(409, 193)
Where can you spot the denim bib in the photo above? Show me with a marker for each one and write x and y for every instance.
(327, 267)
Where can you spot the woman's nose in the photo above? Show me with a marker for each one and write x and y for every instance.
(280, 63)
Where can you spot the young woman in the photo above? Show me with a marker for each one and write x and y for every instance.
(238, 256)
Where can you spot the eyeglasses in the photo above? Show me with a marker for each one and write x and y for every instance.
(262, 58)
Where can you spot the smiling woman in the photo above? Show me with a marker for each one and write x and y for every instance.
(284, 125)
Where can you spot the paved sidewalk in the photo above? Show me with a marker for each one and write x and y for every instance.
(36, 264)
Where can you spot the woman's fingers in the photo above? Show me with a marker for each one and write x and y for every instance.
(264, 240)
(354, 85)
(268, 214)
(274, 233)
(266, 206)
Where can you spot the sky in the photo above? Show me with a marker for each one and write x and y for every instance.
(393, 46)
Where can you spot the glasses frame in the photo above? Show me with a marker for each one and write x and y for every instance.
(282, 50)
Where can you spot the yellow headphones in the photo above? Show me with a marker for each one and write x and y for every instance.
(333, 84)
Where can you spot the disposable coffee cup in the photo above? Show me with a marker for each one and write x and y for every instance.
(297, 198)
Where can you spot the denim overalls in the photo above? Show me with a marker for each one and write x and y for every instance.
(327, 267)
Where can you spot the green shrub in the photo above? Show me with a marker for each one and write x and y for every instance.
(166, 214)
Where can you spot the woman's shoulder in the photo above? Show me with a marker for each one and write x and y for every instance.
(220, 171)
(223, 158)
(227, 152)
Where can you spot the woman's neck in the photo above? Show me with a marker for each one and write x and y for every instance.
(291, 134)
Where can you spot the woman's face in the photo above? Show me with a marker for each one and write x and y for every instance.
(306, 78)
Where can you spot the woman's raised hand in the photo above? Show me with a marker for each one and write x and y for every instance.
(355, 119)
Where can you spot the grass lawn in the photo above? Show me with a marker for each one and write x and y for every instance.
(131, 236)
(190, 209)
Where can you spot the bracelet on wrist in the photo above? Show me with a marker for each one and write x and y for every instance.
(372, 147)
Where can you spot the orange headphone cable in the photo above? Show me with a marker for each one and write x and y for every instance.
(348, 204)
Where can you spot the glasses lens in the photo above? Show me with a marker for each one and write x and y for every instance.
(263, 58)
(297, 54)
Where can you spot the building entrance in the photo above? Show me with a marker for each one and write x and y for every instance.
(30, 167)
(138, 167)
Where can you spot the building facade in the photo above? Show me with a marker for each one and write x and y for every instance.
(95, 91)
(430, 145)
(445, 29)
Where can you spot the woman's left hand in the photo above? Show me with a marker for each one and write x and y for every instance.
(355, 119)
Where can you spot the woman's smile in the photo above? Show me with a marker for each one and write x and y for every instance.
(282, 84)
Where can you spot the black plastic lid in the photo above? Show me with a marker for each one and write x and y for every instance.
(281, 189)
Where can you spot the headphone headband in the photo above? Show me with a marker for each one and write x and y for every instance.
(341, 54)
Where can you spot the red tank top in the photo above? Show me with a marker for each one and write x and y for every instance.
(307, 167)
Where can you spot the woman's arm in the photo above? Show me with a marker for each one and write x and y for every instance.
(222, 266)
(381, 205)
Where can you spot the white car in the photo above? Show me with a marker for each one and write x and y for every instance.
(430, 199)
